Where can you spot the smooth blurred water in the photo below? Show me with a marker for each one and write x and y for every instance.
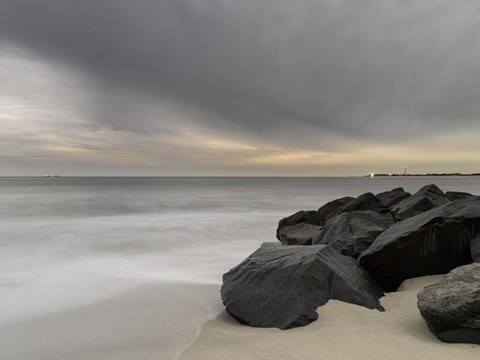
(66, 241)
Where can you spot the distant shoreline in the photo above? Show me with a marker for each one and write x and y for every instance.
(429, 174)
(41, 177)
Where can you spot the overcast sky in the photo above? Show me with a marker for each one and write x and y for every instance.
(230, 87)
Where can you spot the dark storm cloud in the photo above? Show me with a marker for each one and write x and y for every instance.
(273, 68)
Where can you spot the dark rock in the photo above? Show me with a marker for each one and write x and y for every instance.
(353, 232)
(455, 195)
(332, 206)
(307, 217)
(434, 242)
(366, 201)
(270, 243)
(300, 234)
(392, 197)
(475, 248)
(282, 286)
(451, 307)
(428, 197)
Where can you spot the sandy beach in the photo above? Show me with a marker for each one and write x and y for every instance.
(343, 331)
(148, 322)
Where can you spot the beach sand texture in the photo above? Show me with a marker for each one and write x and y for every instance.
(149, 322)
(343, 331)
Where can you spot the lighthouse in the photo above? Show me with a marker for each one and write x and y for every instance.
(405, 171)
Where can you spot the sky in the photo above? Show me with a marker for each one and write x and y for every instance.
(239, 88)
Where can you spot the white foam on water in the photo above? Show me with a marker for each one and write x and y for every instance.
(60, 263)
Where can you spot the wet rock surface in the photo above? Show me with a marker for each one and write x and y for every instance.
(434, 242)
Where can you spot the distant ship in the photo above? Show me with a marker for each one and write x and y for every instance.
(54, 176)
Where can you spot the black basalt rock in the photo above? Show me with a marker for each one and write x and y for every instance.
(351, 233)
(456, 195)
(331, 207)
(428, 197)
(475, 248)
(392, 197)
(282, 286)
(301, 217)
(300, 234)
(366, 201)
(451, 307)
(434, 242)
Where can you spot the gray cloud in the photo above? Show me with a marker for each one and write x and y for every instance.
(276, 67)
(314, 75)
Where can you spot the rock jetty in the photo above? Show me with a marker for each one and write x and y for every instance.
(354, 249)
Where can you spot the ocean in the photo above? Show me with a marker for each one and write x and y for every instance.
(66, 242)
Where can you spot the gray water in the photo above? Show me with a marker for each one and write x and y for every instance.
(68, 241)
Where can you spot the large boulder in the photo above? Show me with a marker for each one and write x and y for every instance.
(351, 233)
(428, 197)
(366, 201)
(306, 217)
(455, 195)
(451, 307)
(282, 286)
(332, 206)
(300, 234)
(392, 197)
(434, 242)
